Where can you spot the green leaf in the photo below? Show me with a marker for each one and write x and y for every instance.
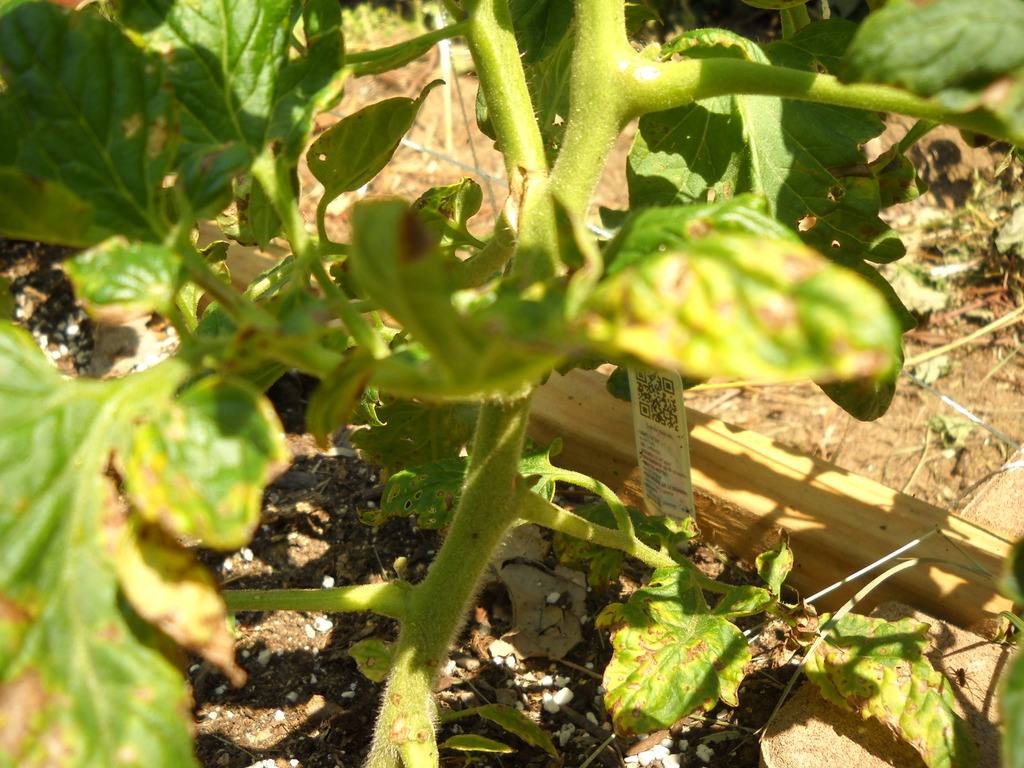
(967, 55)
(468, 742)
(356, 148)
(135, 276)
(737, 305)
(198, 467)
(251, 218)
(1013, 579)
(93, 114)
(430, 492)
(81, 676)
(412, 433)
(445, 212)
(671, 656)
(540, 26)
(734, 144)
(37, 210)
(877, 668)
(242, 82)
(1011, 707)
(744, 600)
(373, 657)
(774, 565)
(509, 718)
(396, 56)
(605, 564)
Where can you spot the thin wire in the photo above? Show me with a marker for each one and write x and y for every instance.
(868, 568)
(960, 409)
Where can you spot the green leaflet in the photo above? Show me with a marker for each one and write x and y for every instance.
(33, 209)
(414, 433)
(88, 110)
(373, 657)
(968, 55)
(509, 718)
(65, 632)
(1011, 704)
(671, 655)
(396, 263)
(603, 564)
(877, 668)
(431, 491)
(134, 276)
(445, 212)
(355, 149)
(735, 144)
(241, 83)
(735, 304)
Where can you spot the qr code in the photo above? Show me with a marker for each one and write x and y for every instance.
(656, 397)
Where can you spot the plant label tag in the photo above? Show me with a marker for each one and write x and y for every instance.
(662, 442)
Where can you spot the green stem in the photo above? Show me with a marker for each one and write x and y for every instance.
(387, 599)
(535, 509)
(273, 177)
(657, 86)
(492, 43)
(794, 19)
(477, 270)
(598, 111)
(436, 608)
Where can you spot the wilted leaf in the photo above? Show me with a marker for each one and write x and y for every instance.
(877, 668)
(774, 565)
(99, 116)
(671, 656)
(174, 592)
(468, 742)
(445, 211)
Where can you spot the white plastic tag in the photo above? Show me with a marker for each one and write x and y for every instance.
(662, 442)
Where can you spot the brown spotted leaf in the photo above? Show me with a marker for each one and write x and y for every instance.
(877, 668)
(720, 290)
(85, 680)
(671, 655)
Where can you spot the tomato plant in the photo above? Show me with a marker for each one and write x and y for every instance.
(748, 250)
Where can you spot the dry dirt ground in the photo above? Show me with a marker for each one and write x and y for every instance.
(307, 705)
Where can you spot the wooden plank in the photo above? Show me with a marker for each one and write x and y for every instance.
(748, 487)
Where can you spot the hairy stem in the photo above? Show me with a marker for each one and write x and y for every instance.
(597, 109)
(492, 43)
(436, 608)
(534, 509)
(657, 86)
(385, 599)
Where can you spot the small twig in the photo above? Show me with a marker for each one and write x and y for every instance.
(920, 463)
